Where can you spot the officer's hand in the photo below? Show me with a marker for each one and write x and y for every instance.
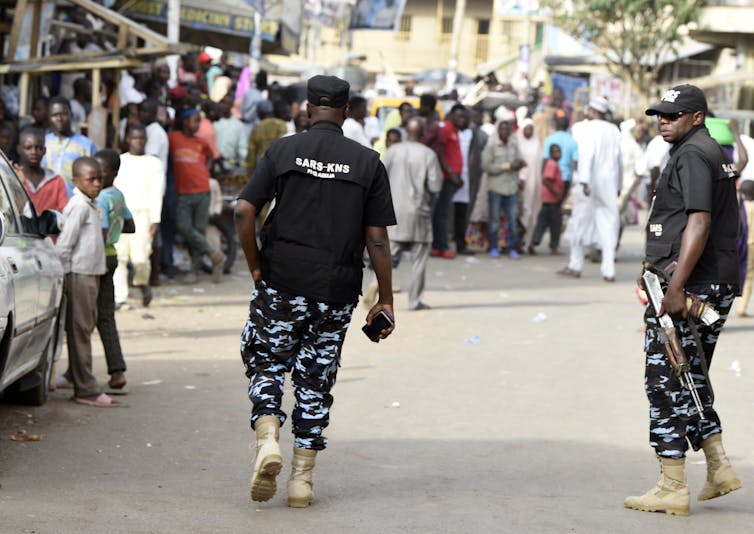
(674, 303)
(375, 310)
(640, 281)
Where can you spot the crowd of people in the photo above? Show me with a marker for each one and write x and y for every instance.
(439, 181)
(511, 176)
(508, 176)
(464, 180)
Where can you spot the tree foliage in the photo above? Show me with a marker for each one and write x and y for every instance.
(632, 35)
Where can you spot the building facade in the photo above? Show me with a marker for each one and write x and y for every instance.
(423, 39)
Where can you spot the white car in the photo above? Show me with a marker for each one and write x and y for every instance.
(32, 310)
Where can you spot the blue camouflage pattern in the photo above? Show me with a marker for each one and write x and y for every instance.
(293, 334)
(674, 421)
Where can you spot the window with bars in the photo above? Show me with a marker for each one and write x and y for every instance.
(405, 24)
(447, 25)
(404, 29)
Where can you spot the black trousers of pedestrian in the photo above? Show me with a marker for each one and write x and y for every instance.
(549, 219)
(459, 225)
(106, 327)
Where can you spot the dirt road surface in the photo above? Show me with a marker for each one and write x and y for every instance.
(515, 404)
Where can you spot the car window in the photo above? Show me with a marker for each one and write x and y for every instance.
(23, 202)
(6, 212)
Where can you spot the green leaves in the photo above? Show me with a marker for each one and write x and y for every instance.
(631, 34)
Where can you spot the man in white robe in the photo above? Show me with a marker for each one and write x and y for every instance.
(600, 175)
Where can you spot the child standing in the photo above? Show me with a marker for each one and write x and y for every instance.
(46, 189)
(140, 178)
(82, 253)
(192, 157)
(116, 219)
(747, 191)
(552, 195)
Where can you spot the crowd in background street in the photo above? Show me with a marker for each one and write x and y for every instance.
(465, 179)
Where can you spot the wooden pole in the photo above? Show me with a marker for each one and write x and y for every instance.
(15, 32)
(23, 94)
(97, 119)
(25, 87)
(35, 21)
(116, 111)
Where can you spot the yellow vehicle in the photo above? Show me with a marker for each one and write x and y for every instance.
(382, 106)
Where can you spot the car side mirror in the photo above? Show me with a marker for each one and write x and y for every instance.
(50, 223)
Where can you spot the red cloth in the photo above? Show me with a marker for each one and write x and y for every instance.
(554, 176)
(51, 195)
(432, 136)
(189, 156)
(451, 148)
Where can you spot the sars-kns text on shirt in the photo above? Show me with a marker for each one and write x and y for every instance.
(322, 169)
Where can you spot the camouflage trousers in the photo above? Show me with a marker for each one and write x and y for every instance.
(288, 333)
(674, 422)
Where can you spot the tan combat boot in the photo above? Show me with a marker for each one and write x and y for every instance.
(269, 460)
(670, 495)
(300, 492)
(721, 478)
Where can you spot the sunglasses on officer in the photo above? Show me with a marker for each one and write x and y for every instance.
(672, 117)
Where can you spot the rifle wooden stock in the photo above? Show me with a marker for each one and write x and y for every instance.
(675, 352)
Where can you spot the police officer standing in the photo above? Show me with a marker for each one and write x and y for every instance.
(691, 237)
(331, 197)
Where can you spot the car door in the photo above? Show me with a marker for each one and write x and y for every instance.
(17, 253)
(46, 261)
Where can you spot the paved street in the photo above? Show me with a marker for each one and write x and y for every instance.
(515, 405)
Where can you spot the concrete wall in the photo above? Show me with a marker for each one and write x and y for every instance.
(426, 46)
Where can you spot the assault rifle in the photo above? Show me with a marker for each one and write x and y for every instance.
(669, 338)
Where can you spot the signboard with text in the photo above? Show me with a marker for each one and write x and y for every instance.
(197, 18)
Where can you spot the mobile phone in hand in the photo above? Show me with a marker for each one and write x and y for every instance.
(380, 322)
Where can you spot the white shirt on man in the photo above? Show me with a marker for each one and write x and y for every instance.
(158, 145)
(140, 179)
(353, 129)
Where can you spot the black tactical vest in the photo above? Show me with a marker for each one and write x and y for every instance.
(313, 239)
(668, 217)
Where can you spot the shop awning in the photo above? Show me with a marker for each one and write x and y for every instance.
(224, 24)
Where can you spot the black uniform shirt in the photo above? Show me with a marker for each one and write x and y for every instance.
(698, 177)
(327, 189)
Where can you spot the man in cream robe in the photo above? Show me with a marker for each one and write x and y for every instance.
(414, 173)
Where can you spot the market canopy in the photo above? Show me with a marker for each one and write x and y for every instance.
(225, 24)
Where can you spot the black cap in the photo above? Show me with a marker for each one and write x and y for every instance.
(328, 91)
(680, 98)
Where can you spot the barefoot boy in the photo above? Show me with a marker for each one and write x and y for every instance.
(82, 252)
(116, 218)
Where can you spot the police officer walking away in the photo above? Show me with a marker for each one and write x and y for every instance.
(331, 197)
(691, 237)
